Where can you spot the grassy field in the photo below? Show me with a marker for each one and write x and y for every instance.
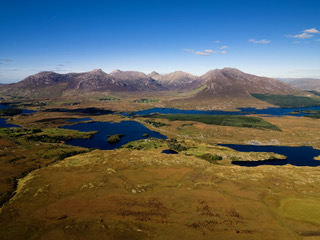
(288, 101)
(138, 192)
(224, 120)
(316, 116)
(24, 150)
(130, 194)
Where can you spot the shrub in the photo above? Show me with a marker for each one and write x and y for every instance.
(156, 124)
(212, 158)
(175, 146)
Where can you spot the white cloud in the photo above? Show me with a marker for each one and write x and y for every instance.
(296, 42)
(223, 52)
(263, 41)
(202, 53)
(311, 30)
(223, 47)
(205, 52)
(305, 34)
(189, 50)
(217, 41)
(301, 36)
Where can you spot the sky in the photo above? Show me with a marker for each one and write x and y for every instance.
(263, 37)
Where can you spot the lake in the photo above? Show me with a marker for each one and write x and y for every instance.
(3, 122)
(4, 106)
(296, 156)
(276, 112)
(132, 130)
(169, 151)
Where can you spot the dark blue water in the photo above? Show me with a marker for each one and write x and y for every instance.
(3, 106)
(26, 111)
(132, 130)
(169, 151)
(296, 156)
(3, 124)
(276, 112)
(79, 119)
(3, 120)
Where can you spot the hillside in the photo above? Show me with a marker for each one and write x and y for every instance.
(229, 87)
(303, 83)
(233, 82)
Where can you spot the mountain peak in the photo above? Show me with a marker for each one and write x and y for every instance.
(153, 73)
(116, 71)
(233, 82)
(97, 70)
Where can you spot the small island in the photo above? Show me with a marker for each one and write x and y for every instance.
(115, 138)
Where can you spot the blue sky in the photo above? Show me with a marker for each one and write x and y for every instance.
(267, 38)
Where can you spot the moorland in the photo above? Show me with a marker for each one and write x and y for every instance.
(51, 189)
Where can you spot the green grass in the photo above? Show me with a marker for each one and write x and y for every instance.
(211, 158)
(311, 111)
(50, 135)
(156, 124)
(146, 100)
(288, 101)
(115, 138)
(301, 209)
(224, 120)
(146, 144)
(109, 98)
(316, 116)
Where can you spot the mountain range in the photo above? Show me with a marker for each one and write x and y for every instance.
(218, 83)
(312, 84)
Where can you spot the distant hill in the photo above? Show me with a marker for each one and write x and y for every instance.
(227, 83)
(312, 84)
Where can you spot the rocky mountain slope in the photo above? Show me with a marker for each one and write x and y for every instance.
(229, 88)
(137, 80)
(218, 83)
(177, 80)
(233, 82)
